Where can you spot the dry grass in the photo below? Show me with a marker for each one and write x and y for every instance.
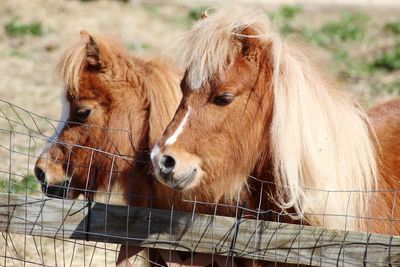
(27, 62)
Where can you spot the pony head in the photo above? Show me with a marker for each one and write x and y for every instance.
(253, 104)
(107, 115)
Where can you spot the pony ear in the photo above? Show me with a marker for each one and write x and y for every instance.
(92, 49)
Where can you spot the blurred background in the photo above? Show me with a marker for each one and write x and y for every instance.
(358, 41)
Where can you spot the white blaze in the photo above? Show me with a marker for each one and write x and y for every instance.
(172, 139)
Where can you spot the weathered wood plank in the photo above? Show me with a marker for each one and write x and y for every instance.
(180, 231)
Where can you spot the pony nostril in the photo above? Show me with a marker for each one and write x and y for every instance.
(167, 163)
(40, 174)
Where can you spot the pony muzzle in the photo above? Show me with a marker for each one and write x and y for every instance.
(177, 171)
(56, 191)
(45, 173)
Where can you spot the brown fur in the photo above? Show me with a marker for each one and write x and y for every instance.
(218, 150)
(131, 101)
(385, 212)
(220, 147)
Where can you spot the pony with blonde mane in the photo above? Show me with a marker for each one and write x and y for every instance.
(115, 107)
(254, 105)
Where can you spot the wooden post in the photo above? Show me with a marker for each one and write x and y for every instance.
(261, 240)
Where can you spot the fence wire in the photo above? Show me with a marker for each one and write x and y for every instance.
(49, 240)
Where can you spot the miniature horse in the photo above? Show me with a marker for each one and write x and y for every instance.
(115, 107)
(255, 106)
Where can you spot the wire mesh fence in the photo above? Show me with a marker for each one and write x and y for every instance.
(84, 226)
(22, 136)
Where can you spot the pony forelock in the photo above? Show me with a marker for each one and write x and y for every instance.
(321, 143)
(70, 66)
(210, 45)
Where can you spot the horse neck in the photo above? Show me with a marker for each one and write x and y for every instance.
(164, 94)
(386, 202)
(131, 182)
(122, 181)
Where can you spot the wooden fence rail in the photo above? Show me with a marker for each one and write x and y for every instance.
(163, 229)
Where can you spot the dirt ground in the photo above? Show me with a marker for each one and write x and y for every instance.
(27, 63)
(28, 79)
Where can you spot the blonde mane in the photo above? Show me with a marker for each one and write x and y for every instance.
(71, 64)
(210, 46)
(321, 144)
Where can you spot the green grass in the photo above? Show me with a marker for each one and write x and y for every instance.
(285, 17)
(17, 28)
(290, 12)
(351, 27)
(342, 38)
(388, 60)
(393, 27)
(26, 184)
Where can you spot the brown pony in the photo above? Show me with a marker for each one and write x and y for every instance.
(115, 107)
(255, 106)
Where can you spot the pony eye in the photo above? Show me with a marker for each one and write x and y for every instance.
(82, 114)
(224, 99)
